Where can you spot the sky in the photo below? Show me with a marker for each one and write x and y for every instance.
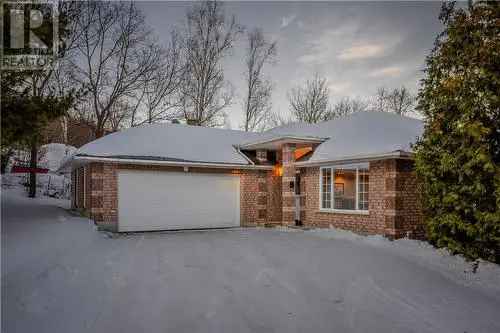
(358, 46)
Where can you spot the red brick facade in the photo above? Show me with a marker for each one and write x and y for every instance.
(394, 209)
(267, 198)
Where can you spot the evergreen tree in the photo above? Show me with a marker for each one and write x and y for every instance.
(28, 104)
(24, 117)
(458, 156)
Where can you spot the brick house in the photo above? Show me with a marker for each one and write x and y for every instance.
(73, 132)
(354, 173)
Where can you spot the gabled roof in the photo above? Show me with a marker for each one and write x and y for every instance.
(357, 136)
(365, 135)
(362, 135)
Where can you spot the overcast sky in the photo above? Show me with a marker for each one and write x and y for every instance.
(357, 46)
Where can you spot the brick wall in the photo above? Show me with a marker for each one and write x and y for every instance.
(394, 206)
(393, 202)
(404, 211)
(370, 224)
(274, 200)
(259, 199)
(252, 198)
(77, 188)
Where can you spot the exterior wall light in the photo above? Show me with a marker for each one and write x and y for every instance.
(278, 170)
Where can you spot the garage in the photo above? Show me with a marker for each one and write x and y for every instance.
(160, 200)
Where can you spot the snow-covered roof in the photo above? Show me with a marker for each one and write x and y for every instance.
(171, 142)
(359, 135)
(365, 134)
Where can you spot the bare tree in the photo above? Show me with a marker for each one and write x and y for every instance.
(112, 57)
(208, 38)
(379, 102)
(119, 114)
(310, 102)
(346, 106)
(158, 96)
(276, 120)
(399, 100)
(257, 102)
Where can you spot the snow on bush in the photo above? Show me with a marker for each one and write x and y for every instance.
(50, 156)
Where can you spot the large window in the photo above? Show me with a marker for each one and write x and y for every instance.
(344, 188)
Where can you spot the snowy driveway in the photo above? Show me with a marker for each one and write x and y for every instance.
(60, 275)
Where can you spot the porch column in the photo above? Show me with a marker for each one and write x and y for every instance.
(288, 178)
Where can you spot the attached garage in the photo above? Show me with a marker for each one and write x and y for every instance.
(163, 200)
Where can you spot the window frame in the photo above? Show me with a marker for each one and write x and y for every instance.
(332, 169)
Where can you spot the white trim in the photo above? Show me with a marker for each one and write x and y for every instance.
(356, 192)
(286, 138)
(364, 165)
(320, 188)
(84, 187)
(355, 159)
(345, 211)
(170, 163)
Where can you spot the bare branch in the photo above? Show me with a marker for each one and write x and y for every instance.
(209, 36)
(310, 103)
(346, 106)
(113, 55)
(257, 102)
(399, 100)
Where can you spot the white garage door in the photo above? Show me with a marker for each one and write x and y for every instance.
(155, 200)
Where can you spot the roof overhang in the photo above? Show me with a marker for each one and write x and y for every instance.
(77, 161)
(356, 159)
(276, 142)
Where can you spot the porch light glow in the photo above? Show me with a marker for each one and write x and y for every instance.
(278, 170)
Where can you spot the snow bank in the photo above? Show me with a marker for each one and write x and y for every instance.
(455, 267)
(52, 155)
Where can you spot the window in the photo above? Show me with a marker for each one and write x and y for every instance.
(345, 199)
(363, 189)
(326, 188)
(344, 188)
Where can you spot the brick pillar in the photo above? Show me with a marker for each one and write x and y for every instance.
(390, 196)
(402, 210)
(104, 196)
(73, 189)
(288, 199)
(262, 198)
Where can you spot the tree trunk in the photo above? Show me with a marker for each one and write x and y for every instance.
(99, 132)
(5, 160)
(33, 165)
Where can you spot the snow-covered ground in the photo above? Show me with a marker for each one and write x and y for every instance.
(456, 267)
(51, 184)
(61, 275)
